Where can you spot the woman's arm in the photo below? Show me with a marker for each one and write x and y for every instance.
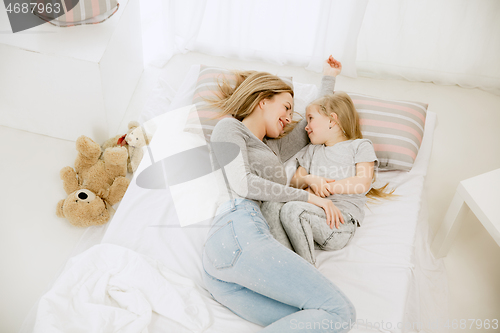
(358, 184)
(298, 179)
(316, 184)
(302, 179)
(248, 185)
(239, 176)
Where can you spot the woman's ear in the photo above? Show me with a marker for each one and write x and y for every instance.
(262, 103)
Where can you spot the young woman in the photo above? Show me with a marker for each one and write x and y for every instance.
(245, 268)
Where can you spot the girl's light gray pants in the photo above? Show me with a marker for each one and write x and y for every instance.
(301, 227)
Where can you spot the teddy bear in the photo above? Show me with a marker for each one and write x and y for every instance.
(134, 140)
(95, 184)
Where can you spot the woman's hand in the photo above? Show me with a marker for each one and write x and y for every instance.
(331, 67)
(333, 214)
(319, 185)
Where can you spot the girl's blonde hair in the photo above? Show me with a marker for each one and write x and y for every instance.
(251, 87)
(348, 121)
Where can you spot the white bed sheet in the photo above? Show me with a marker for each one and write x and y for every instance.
(375, 270)
(110, 288)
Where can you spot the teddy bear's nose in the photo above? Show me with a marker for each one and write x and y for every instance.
(82, 195)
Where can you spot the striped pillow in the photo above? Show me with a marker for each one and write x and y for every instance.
(200, 118)
(76, 12)
(395, 128)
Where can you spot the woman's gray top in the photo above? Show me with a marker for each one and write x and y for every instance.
(258, 173)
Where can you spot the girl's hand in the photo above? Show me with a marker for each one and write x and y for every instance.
(333, 214)
(331, 67)
(319, 185)
(330, 189)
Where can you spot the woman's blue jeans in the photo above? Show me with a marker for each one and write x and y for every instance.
(260, 280)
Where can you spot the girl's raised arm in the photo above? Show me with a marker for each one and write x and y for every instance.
(297, 139)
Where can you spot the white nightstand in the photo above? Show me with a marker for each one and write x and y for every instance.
(481, 194)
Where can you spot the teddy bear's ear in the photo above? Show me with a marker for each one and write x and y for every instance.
(59, 209)
(133, 124)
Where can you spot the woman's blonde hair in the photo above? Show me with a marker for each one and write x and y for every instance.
(348, 121)
(251, 87)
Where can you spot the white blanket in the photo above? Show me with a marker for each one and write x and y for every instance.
(109, 288)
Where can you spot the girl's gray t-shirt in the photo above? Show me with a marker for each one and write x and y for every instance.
(339, 162)
(258, 172)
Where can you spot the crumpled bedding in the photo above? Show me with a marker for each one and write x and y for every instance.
(110, 288)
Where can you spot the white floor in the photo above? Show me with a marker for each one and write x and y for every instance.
(35, 242)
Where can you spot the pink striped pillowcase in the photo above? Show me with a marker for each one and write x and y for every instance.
(200, 118)
(395, 128)
(84, 12)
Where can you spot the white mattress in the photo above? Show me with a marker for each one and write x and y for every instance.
(375, 271)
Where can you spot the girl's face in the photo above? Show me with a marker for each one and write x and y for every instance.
(318, 125)
(277, 113)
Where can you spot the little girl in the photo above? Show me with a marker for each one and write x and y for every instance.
(338, 164)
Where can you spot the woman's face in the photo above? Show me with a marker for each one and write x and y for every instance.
(318, 125)
(277, 113)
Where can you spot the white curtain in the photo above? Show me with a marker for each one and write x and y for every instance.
(441, 41)
(292, 32)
